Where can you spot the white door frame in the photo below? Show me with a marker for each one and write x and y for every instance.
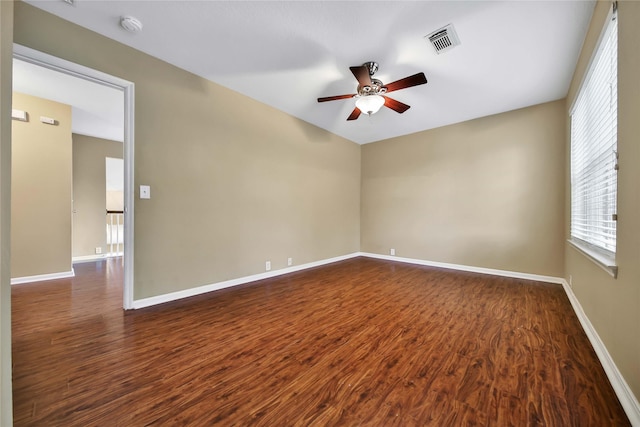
(53, 63)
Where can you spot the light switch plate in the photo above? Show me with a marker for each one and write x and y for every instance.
(145, 192)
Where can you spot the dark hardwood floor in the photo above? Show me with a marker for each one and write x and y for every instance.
(361, 342)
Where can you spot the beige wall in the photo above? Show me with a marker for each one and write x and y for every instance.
(40, 189)
(482, 193)
(6, 50)
(613, 305)
(233, 182)
(90, 192)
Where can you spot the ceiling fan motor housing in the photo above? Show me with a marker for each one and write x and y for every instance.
(376, 88)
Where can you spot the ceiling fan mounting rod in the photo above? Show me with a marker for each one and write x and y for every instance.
(371, 66)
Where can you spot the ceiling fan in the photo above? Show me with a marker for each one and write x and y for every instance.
(370, 92)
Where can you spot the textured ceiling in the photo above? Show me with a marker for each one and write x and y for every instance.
(286, 54)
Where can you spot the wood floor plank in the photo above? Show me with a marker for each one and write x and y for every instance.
(361, 342)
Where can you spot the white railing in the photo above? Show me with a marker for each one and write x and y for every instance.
(115, 233)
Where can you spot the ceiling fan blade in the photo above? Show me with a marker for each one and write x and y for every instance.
(415, 80)
(396, 106)
(362, 74)
(354, 114)
(333, 98)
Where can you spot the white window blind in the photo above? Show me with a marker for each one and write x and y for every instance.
(594, 140)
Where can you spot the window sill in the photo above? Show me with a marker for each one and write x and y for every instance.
(604, 261)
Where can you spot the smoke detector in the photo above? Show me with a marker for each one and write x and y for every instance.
(443, 39)
(131, 24)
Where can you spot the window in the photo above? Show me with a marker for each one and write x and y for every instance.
(594, 123)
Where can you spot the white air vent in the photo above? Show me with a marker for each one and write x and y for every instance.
(443, 39)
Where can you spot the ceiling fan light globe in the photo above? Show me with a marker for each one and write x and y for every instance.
(370, 104)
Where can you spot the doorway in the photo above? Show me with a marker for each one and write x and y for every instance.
(50, 62)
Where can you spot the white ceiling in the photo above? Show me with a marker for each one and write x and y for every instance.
(97, 110)
(286, 54)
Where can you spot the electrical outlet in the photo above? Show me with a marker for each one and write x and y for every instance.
(267, 265)
(289, 262)
(98, 250)
(393, 251)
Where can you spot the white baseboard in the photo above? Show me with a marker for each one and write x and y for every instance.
(173, 296)
(88, 258)
(627, 399)
(91, 258)
(42, 277)
(459, 267)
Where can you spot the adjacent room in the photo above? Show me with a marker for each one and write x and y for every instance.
(325, 213)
